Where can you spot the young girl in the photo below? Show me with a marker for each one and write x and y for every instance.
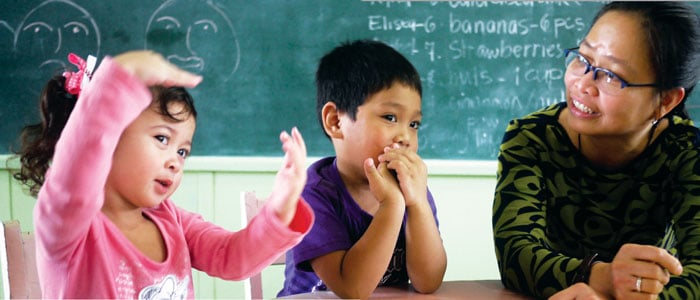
(104, 223)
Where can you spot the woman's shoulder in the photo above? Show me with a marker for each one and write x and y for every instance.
(546, 117)
(678, 121)
(683, 131)
(546, 113)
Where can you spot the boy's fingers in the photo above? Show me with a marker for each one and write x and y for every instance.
(371, 171)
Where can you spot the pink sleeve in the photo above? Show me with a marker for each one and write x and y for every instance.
(73, 191)
(239, 255)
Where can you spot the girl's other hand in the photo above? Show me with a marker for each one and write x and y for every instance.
(291, 178)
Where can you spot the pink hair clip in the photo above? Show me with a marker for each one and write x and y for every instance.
(77, 81)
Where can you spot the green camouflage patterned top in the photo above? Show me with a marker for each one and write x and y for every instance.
(552, 207)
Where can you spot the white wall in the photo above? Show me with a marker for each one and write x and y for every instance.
(463, 192)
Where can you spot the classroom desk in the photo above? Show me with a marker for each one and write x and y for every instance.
(477, 290)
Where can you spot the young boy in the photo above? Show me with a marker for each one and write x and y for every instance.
(376, 221)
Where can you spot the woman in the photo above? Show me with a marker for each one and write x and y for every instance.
(604, 188)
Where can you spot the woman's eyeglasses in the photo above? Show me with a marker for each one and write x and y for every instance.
(611, 83)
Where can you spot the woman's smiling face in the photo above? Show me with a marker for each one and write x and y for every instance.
(616, 42)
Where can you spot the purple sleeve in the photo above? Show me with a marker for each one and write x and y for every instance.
(328, 233)
(431, 201)
(337, 227)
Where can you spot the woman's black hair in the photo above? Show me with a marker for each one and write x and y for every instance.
(673, 37)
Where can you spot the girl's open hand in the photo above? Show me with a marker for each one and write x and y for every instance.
(291, 178)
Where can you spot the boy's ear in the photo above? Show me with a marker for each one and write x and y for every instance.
(331, 120)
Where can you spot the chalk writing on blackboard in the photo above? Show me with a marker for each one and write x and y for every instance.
(482, 63)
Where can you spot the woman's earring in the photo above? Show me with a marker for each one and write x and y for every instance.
(655, 122)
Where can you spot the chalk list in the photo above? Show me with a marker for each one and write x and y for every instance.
(482, 63)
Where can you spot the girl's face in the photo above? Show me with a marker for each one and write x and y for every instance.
(617, 43)
(147, 164)
(390, 116)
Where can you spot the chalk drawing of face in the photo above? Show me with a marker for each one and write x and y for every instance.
(46, 36)
(196, 36)
(7, 36)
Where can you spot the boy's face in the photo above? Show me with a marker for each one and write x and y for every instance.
(391, 116)
(148, 162)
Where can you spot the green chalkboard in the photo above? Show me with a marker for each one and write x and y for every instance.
(481, 63)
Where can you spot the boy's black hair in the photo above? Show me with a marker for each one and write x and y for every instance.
(353, 71)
